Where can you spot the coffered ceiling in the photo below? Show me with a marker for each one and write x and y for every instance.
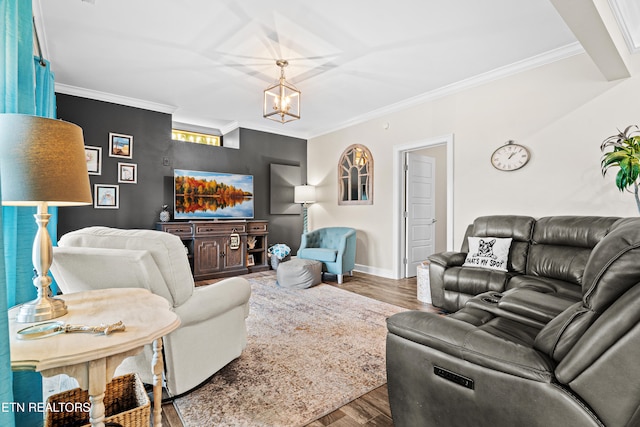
(208, 61)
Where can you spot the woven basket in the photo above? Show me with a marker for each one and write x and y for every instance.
(125, 401)
(275, 262)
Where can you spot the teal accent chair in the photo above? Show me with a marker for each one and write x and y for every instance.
(335, 247)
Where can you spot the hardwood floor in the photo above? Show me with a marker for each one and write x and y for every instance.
(372, 409)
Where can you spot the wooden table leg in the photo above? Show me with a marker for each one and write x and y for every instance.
(97, 386)
(157, 367)
(96, 413)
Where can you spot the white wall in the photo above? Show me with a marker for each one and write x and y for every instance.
(561, 111)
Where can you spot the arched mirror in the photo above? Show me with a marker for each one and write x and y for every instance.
(355, 176)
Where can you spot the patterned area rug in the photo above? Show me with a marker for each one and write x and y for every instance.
(309, 352)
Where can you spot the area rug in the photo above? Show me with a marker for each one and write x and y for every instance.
(309, 352)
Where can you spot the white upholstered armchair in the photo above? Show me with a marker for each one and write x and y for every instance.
(212, 331)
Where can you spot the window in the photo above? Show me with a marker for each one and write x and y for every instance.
(196, 137)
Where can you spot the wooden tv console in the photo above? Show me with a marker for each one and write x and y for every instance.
(210, 249)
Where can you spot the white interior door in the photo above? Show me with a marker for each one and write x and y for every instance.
(419, 210)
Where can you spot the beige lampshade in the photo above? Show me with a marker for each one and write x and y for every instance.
(42, 160)
(304, 194)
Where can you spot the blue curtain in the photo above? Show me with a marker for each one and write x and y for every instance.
(27, 88)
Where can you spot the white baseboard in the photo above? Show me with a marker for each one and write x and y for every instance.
(382, 272)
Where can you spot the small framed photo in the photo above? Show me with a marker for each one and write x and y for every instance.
(94, 159)
(128, 173)
(250, 260)
(106, 196)
(120, 145)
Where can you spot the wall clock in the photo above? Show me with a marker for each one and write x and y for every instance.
(510, 157)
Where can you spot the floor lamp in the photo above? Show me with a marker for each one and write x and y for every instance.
(304, 194)
(42, 164)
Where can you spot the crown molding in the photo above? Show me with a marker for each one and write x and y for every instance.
(253, 125)
(496, 74)
(115, 99)
(229, 127)
(499, 73)
(625, 18)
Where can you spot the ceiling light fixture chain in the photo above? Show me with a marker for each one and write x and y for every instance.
(282, 100)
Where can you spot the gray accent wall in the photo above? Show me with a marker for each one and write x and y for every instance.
(157, 155)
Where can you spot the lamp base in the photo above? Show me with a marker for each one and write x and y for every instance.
(43, 308)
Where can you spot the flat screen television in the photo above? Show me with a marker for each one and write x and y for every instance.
(212, 195)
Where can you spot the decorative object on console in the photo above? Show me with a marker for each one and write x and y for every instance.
(282, 99)
(212, 195)
(165, 216)
(304, 194)
(234, 240)
(120, 145)
(251, 242)
(625, 154)
(42, 163)
(355, 176)
(488, 252)
(106, 196)
(510, 157)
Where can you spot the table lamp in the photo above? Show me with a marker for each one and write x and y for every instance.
(304, 194)
(42, 163)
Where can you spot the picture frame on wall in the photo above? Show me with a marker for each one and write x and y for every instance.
(106, 196)
(93, 155)
(120, 145)
(127, 173)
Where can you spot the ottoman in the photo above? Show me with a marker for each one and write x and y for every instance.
(299, 273)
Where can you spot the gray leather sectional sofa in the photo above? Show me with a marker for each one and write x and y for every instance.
(548, 255)
(552, 341)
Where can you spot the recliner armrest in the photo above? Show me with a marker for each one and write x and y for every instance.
(474, 344)
(212, 300)
(440, 262)
(533, 304)
(448, 259)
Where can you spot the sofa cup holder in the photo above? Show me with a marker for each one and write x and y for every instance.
(490, 300)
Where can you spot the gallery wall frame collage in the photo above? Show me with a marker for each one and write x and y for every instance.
(107, 196)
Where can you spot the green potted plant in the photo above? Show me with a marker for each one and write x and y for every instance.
(626, 156)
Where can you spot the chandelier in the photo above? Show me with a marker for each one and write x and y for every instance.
(282, 100)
